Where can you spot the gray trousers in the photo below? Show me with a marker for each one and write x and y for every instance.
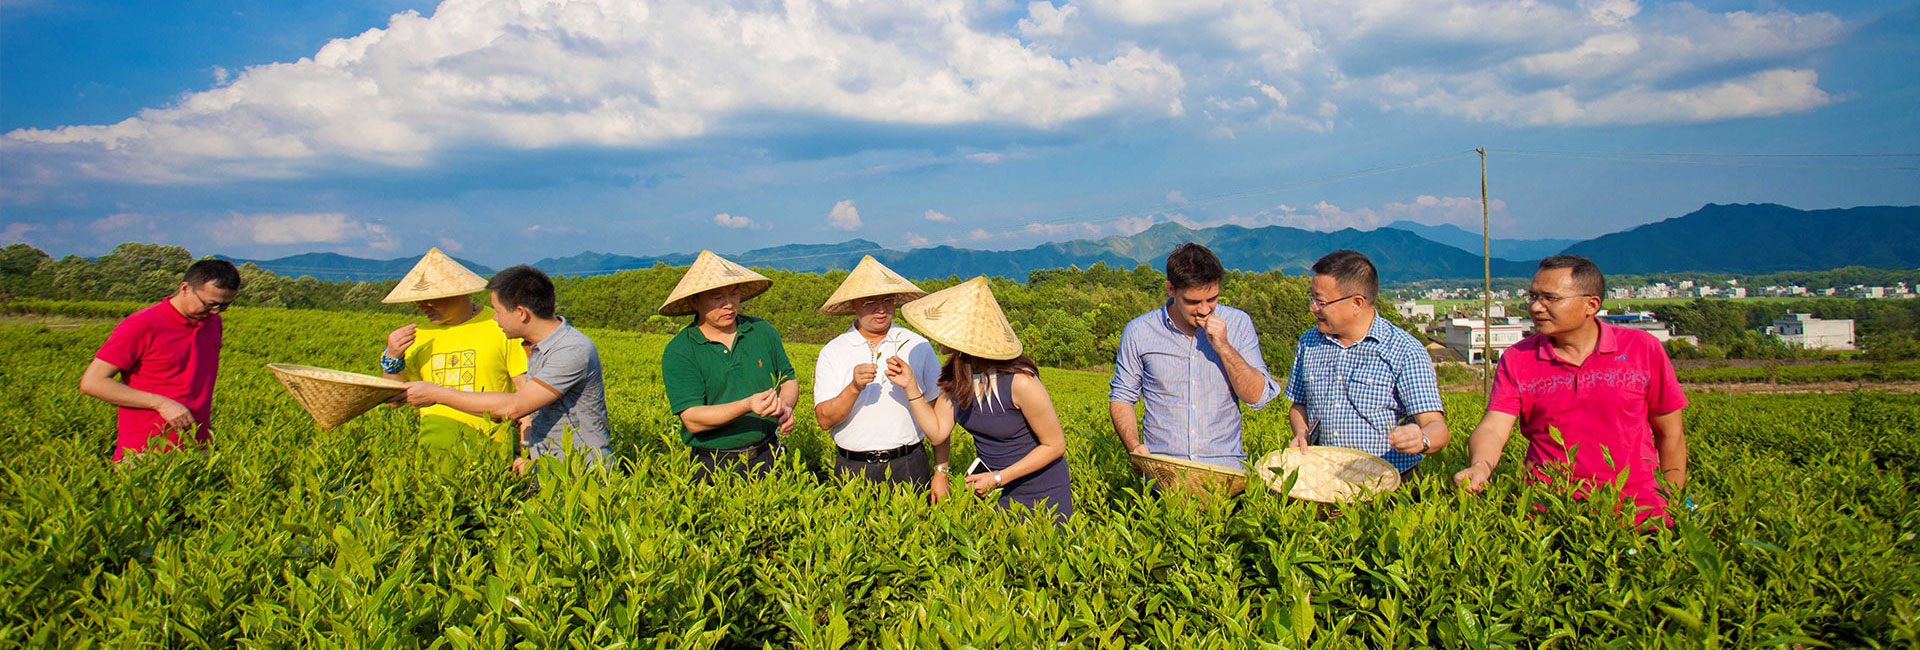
(914, 469)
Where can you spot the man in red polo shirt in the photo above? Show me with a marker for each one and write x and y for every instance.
(1609, 391)
(167, 357)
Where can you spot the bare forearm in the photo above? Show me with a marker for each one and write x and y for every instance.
(1249, 384)
(1437, 435)
(119, 394)
(1034, 461)
(1297, 419)
(1485, 444)
(829, 413)
(713, 416)
(1125, 424)
(790, 393)
(498, 406)
(1671, 442)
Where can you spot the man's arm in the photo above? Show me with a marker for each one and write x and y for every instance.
(1407, 438)
(1297, 421)
(1672, 445)
(1483, 450)
(98, 382)
(498, 406)
(1249, 383)
(1126, 424)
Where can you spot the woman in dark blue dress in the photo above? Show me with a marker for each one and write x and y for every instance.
(988, 387)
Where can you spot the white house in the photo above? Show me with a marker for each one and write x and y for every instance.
(1814, 333)
(1467, 336)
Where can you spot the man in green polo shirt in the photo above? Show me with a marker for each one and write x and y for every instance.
(727, 376)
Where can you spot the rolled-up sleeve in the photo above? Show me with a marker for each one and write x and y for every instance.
(1125, 386)
(1246, 341)
(1418, 386)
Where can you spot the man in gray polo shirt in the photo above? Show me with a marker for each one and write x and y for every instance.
(564, 394)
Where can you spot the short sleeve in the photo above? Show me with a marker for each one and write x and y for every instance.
(686, 388)
(566, 367)
(1297, 376)
(926, 369)
(1505, 397)
(1664, 395)
(781, 363)
(828, 378)
(122, 347)
(1418, 385)
(1127, 373)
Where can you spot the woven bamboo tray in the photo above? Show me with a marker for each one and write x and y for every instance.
(1329, 474)
(1192, 477)
(333, 397)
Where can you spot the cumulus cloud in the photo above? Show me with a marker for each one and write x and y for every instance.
(19, 233)
(916, 241)
(451, 245)
(619, 73)
(938, 217)
(1176, 198)
(844, 216)
(311, 228)
(121, 225)
(736, 222)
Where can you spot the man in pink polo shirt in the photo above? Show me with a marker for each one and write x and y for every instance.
(1609, 391)
(167, 357)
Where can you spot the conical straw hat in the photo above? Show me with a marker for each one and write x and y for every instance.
(965, 317)
(1329, 474)
(435, 276)
(710, 271)
(869, 278)
(333, 397)
(1189, 476)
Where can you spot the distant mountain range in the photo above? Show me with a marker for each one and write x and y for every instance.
(1469, 241)
(1750, 238)
(331, 266)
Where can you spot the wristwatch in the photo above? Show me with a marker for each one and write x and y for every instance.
(996, 479)
(943, 469)
(1425, 445)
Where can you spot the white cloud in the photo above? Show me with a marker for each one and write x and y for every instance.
(1077, 230)
(979, 234)
(616, 73)
(725, 220)
(19, 233)
(916, 241)
(1176, 198)
(938, 217)
(311, 228)
(543, 229)
(451, 245)
(986, 158)
(1044, 19)
(1327, 217)
(844, 216)
(119, 226)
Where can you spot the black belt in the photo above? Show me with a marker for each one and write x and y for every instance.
(881, 456)
(748, 449)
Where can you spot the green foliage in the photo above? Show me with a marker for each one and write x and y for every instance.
(284, 535)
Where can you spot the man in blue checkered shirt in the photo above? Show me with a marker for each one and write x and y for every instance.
(1358, 381)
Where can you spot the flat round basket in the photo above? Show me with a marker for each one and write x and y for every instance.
(333, 397)
(1192, 477)
(1329, 474)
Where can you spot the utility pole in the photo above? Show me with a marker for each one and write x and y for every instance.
(1486, 289)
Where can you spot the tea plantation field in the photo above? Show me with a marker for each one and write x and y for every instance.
(286, 535)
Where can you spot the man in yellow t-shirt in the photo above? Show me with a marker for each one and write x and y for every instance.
(460, 347)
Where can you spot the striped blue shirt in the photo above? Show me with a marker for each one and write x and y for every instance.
(1360, 392)
(1191, 411)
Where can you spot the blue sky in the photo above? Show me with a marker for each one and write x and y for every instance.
(509, 131)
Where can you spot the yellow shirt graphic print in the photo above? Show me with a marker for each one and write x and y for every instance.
(474, 356)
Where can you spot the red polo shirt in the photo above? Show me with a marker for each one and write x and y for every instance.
(1602, 407)
(167, 354)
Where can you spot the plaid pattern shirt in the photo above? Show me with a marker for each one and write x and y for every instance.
(1358, 393)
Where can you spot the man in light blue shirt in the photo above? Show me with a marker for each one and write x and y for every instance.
(1359, 382)
(1193, 361)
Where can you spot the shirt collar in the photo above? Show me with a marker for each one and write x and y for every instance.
(182, 318)
(1373, 332)
(741, 327)
(1609, 343)
(550, 335)
(894, 335)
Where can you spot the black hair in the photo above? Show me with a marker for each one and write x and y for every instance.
(220, 273)
(1350, 269)
(1586, 274)
(523, 286)
(1192, 265)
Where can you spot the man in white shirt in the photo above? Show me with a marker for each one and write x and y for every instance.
(869, 417)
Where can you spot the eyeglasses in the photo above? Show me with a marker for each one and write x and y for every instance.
(875, 303)
(1316, 303)
(211, 307)
(1549, 298)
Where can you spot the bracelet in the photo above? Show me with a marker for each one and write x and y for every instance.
(996, 479)
(922, 395)
(391, 365)
(943, 469)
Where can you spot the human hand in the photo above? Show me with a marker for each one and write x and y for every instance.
(399, 340)
(422, 393)
(785, 418)
(1216, 330)
(175, 416)
(764, 404)
(1472, 479)
(1139, 449)
(1299, 441)
(939, 489)
(901, 375)
(982, 483)
(1407, 439)
(864, 374)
